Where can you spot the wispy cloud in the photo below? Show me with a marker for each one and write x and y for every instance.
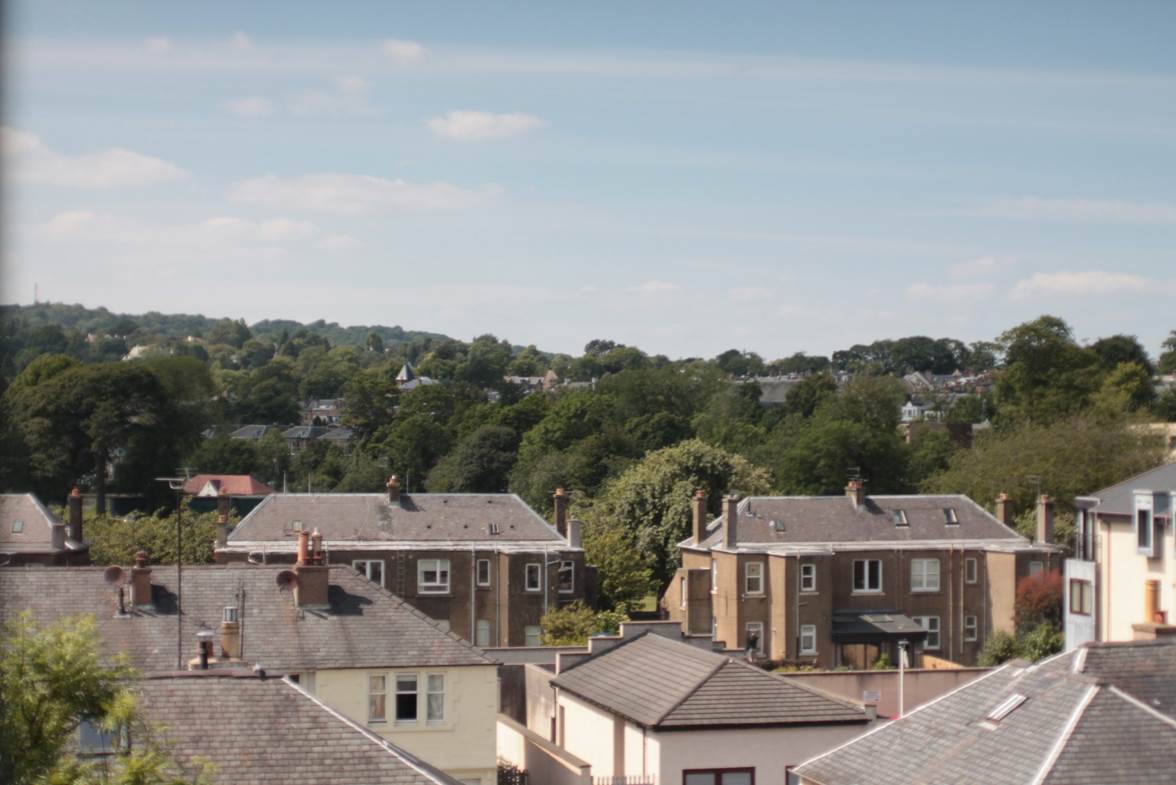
(748, 294)
(353, 193)
(654, 288)
(468, 125)
(251, 106)
(1078, 209)
(28, 159)
(402, 51)
(980, 267)
(158, 44)
(1083, 283)
(241, 40)
(954, 293)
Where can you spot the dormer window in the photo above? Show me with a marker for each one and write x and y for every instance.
(899, 517)
(949, 516)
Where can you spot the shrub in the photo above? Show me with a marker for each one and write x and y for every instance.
(999, 648)
(574, 623)
(1039, 601)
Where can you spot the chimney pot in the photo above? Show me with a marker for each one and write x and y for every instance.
(75, 515)
(394, 489)
(730, 521)
(1004, 509)
(1045, 511)
(316, 547)
(303, 547)
(698, 516)
(141, 581)
(561, 511)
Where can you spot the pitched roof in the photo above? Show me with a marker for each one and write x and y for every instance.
(258, 731)
(26, 525)
(1119, 499)
(365, 625)
(1074, 723)
(373, 519)
(234, 484)
(251, 431)
(666, 684)
(780, 522)
(304, 432)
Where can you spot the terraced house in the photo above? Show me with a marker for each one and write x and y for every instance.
(484, 565)
(845, 580)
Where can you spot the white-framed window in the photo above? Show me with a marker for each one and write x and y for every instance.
(1036, 567)
(567, 577)
(931, 625)
(924, 574)
(482, 633)
(377, 698)
(406, 698)
(755, 636)
(753, 577)
(483, 572)
(714, 576)
(435, 699)
(808, 639)
(533, 579)
(532, 635)
(867, 576)
(808, 577)
(970, 628)
(372, 569)
(970, 570)
(682, 592)
(433, 576)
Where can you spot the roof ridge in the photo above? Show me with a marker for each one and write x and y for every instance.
(1127, 696)
(1063, 739)
(593, 656)
(1095, 494)
(693, 690)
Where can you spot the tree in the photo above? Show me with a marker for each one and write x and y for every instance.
(573, 624)
(1047, 375)
(1038, 600)
(374, 343)
(809, 394)
(1127, 388)
(1167, 363)
(625, 580)
(1118, 349)
(226, 455)
(480, 463)
(369, 403)
(230, 332)
(115, 540)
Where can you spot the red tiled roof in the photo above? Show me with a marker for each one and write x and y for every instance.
(235, 484)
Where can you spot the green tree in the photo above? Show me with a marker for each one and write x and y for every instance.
(810, 393)
(370, 399)
(1167, 363)
(116, 540)
(625, 580)
(1127, 388)
(480, 463)
(1118, 349)
(573, 624)
(225, 455)
(230, 332)
(1047, 375)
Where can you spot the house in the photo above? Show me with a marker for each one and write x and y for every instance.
(213, 485)
(298, 436)
(31, 534)
(252, 433)
(653, 709)
(483, 564)
(833, 581)
(255, 729)
(360, 650)
(1123, 573)
(341, 437)
(408, 379)
(322, 411)
(1102, 713)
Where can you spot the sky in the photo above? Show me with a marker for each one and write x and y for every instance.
(684, 177)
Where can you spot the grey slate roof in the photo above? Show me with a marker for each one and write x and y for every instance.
(261, 731)
(417, 517)
(781, 521)
(365, 626)
(252, 432)
(669, 685)
(1118, 499)
(36, 525)
(304, 432)
(1076, 725)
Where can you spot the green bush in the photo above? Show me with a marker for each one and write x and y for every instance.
(999, 648)
(574, 623)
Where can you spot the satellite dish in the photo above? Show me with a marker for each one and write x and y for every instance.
(287, 580)
(114, 575)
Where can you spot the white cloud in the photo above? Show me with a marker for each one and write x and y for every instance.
(654, 287)
(348, 97)
(1100, 210)
(955, 292)
(402, 51)
(981, 267)
(339, 242)
(158, 44)
(352, 84)
(466, 125)
(1088, 282)
(29, 159)
(251, 106)
(747, 294)
(353, 193)
(241, 40)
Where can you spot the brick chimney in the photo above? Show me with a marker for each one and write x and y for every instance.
(1004, 509)
(856, 491)
(222, 518)
(230, 633)
(141, 582)
(75, 515)
(730, 521)
(1045, 512)
(575, 533)
(698, 516)
(313, 574)
(394, 489)
(561, 511)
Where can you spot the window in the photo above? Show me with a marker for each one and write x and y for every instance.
(718, 776)
(435, 699)
(714, 576)
(433, 576)
(532, 635)
(1143, 532)
(924, 574)
(534, 577)
(899, 517)
(753, 578)
(372, 569)
(483, 572)
(808, 639)
(682, 592)
(1035, 567)
(377, 694)
(482, 633)
(1084, 535)
(755, 636)
(969, 628)
(867, 575)
(94, 740)
(17, 527)
(931, 625)
(969, 570)
(567, 577)
(1005, 708)
(406, 697)
(1081, 597)
(949, 516)
(808, 577)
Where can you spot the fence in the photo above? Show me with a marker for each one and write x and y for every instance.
(644, 779)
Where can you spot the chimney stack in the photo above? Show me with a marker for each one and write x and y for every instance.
(230, 633)
(222, 518)
(575, 533)
(698, 516)
(730, 521)
(855, 489)
(1045, 511)
(394, 489)
(75, 515)
(313, 574)
(561, 512)
(1004, 509)
(141, 582)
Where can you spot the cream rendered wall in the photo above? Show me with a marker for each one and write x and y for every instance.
(464, 745)
(588, 733)
(1122, 573)
(638, 755)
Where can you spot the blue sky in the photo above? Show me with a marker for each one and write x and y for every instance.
(685, 177)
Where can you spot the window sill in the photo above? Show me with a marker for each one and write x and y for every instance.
(809, 591)
(759, 595)
(924, 591)
(533, 591)
(807, 654)
(874, 592)
(424, 593)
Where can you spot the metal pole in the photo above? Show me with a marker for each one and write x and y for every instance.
(179, 582)
(902, 648)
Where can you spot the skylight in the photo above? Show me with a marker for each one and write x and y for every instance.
(950, 517)
(1006, 708)
(899, 517)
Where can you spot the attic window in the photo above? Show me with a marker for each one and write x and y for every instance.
(899, 517)
(494, 529)
(949, 516)
(778, 526)
(1006, 708)
(17, 527)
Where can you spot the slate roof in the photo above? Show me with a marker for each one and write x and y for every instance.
(235, 484)
(338, 435)
(669, 685)
(365, 625)
(1119, 499)
(36, 525)
(778, 522)
(1077, 725)
(266, 731)
(304, 432)
(251, 431)
(372, 519)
